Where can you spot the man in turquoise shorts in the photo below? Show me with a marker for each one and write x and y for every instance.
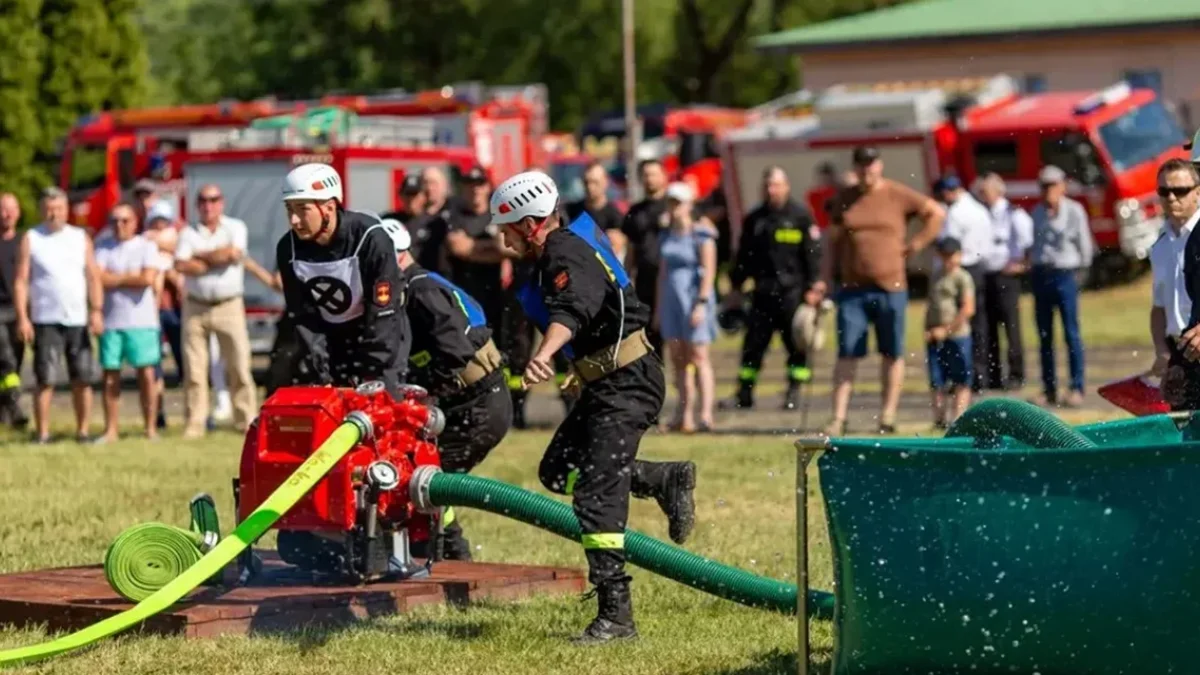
(129, 267)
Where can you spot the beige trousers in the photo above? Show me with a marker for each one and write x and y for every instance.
(227, 322)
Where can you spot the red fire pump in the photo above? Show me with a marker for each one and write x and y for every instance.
(358, 522)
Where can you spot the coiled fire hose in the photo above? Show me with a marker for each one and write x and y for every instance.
(146, 557)
(255, 526)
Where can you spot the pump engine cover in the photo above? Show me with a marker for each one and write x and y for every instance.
(294, 422)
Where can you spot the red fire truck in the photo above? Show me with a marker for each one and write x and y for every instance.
(686, 139)
(106, 153)
(1110, 142)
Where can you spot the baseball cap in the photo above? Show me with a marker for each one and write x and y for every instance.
(160, 210)
(1051, 174)
(411, 184)
(948, 246)
(680, 192)
(951, 182)
(476, 176)
(145, 185)
(864, 154)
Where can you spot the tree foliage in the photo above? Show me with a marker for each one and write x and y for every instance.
(59, 60)
(687, 50)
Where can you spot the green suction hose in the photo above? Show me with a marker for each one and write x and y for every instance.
(988, 420)
(723, 581)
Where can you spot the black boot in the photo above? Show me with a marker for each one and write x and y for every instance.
(614, 621)
(454, 545)
(791, 399)
(11, 413)
(518, 407)
(671, 484)
(742, 400)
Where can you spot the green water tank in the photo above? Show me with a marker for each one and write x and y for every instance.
(960, 560)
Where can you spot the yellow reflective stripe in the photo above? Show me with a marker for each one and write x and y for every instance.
(421, 359)
(448, 517)
(571, 478)
(789, 236)
(799, 373)
(748, 374)
(609, 270)
(10, 381)
(606, 541)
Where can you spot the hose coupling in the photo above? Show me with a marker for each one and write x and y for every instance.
(435, 424)
(418, 488)
(360, 419)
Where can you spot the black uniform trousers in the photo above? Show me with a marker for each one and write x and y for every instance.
(477, 419)
(771, 312)
(1002, 297)
(645, 285)
(592, 458)
(979, 329)
(12, 355)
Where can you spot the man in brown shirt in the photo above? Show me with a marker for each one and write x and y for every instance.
(866, 252)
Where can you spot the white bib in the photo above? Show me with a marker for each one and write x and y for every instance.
(334, 287)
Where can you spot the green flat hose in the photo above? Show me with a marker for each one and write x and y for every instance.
(146, 557)
(256, 525)
(988, 420)
(672, 562)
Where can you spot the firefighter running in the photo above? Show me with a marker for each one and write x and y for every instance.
(454, 358)
(583, 302)
(780, 250)
(341, 280)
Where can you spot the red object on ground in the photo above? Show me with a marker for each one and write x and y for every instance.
(294, 422)
(1138, 395)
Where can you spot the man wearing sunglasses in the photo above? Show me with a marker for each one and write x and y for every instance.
(1171, 312)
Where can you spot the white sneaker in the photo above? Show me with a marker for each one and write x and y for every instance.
(223, 412)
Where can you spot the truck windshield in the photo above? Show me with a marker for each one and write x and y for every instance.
(88, 164)
(1141, 135)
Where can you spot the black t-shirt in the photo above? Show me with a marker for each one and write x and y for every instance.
(8, 265)
(642, 226)
(480, 280)
(581, 296)
(607, 216)
(374, 345)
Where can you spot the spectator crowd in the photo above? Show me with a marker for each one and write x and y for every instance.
(149, 279)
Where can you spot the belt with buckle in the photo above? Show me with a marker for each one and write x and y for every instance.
(601, 363)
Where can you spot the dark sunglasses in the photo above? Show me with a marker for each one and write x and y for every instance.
(203, 199)
(119, 221)
(1179, 192)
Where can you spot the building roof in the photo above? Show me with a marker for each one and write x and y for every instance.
(942, 20)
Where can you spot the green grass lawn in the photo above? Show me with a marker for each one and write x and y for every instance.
(63, 504)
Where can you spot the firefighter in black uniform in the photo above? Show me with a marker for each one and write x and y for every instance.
(780, 249)
(585, 305)
(454, 359)
(340, 280)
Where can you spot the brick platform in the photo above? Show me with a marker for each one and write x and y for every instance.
(282, 598)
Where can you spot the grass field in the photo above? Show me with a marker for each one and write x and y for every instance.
(63, 504)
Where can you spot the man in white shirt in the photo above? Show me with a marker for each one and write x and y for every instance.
(58, 299)
(970, 223)
(1004, 269)
(1172, 306)
(129, 270)
(209, 255)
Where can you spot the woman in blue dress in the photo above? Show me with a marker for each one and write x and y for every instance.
(686, 311)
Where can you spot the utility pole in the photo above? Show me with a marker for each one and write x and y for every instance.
(633, 126)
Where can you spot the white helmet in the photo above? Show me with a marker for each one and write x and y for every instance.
(532, 193)
(398, 233)
(316, 182)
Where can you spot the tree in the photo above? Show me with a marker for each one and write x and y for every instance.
(20, 71)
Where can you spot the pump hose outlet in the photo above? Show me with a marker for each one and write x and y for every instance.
(723, 581)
